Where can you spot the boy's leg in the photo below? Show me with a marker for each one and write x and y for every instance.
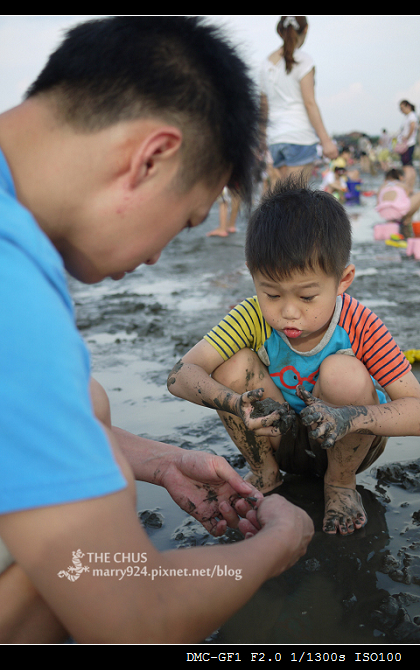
(344, 380)
(245, 372)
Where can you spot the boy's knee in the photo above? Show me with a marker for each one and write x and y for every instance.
(344, 380)
(242, 372)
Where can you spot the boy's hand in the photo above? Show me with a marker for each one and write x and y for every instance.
(333, 423)
(266, 417)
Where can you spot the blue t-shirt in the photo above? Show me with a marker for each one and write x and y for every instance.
(52, 449)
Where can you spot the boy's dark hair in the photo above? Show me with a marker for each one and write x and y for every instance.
(177, 68)
(296, 228)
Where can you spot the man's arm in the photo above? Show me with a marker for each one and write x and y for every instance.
(202, 484)
(30, 615)
(168, 604)
(25, 617)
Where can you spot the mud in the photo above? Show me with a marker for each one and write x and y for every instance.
(265, 407)
(364, 588)
(286, 416)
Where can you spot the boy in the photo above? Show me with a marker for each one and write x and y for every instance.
(303, 342)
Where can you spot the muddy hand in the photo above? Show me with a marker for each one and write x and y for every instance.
(280, 416)
(287, 419)
(240, 513)
(332, 422)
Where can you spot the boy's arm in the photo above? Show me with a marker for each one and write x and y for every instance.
(191, 379)
(400, 417)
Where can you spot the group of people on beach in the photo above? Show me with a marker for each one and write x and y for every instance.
(116, 148)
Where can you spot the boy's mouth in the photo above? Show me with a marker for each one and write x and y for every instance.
(292, 332)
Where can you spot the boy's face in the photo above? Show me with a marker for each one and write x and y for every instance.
(301, 306)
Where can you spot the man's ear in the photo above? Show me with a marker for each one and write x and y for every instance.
(156, 149)
(346, 279)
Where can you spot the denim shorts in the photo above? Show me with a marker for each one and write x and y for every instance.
(293, 155)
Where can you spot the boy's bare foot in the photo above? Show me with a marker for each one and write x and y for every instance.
(231, 230)
(265, 482)
(344, 511)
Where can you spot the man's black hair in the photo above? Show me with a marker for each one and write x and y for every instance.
(296, 228)
(178, 68)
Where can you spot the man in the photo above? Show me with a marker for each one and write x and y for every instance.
(127, 136)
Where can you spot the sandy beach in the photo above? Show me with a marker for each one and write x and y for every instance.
(363, 588)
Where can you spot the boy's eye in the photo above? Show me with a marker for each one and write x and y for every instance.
(308, 298)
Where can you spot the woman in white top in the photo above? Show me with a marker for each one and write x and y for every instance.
(294, 126)
(408, 135)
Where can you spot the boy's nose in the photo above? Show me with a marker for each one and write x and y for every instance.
(290, 311)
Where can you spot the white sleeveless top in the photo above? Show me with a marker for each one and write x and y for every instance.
(288, 121)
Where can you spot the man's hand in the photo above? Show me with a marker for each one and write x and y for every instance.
(292, 524)
(209, 489)
(265, 417)
(333, 423)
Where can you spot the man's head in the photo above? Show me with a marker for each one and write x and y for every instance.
(175, 68)
(136, 124)
(297, 229)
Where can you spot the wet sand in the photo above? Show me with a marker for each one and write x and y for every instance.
(361, 589)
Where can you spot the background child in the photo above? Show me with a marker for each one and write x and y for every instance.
(306, 344)
(394, 201)
(335, 182)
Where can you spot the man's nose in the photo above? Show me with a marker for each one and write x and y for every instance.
(154, 259)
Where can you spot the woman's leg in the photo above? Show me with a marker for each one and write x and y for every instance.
(285, 171)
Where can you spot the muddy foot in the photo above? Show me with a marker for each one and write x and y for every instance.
(344, 511)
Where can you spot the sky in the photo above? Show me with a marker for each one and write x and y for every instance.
(365, 64)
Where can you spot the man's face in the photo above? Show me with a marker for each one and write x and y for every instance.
(131, 227)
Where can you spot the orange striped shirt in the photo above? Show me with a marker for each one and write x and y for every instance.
(372, 343)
